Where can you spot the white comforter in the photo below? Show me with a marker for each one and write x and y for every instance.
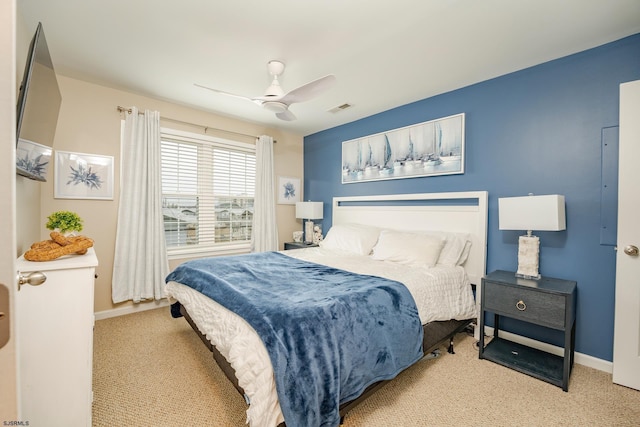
(440, 293)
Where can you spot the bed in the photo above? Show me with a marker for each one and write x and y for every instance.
(387, 227)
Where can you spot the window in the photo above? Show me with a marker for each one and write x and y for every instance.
(207, 193)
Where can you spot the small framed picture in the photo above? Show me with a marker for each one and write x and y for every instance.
(288, 190)
(32, 160)
(83, 176)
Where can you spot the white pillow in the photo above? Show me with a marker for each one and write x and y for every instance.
(418, 249)
(465, 253)
(453, 252)
(353, 238)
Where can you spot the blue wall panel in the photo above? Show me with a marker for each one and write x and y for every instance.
(609, 187)
(533, 131)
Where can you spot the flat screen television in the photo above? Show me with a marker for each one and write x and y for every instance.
(38, 106)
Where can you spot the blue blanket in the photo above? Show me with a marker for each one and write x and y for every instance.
(329, 333)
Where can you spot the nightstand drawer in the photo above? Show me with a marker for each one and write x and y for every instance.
(530, 305)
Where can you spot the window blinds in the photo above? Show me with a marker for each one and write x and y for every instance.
(208, 191)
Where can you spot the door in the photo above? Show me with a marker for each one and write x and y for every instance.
(626, 342)
(8, 394)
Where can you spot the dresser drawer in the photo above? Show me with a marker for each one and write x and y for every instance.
(531, 305)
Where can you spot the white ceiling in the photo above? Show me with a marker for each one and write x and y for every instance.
(383, 53)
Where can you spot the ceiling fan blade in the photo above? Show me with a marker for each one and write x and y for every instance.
(286, 115)
(309, 90)
(228, 93)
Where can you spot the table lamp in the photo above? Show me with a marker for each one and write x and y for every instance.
(308, 211)
(541, 213)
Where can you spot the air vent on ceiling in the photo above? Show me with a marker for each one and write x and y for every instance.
(340, 107)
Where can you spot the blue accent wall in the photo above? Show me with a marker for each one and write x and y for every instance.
(538, 130)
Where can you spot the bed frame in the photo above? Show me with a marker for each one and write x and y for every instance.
(464, 212)
(435, 333)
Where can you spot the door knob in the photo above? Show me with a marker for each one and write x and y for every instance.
(631, 250)
(35, 278)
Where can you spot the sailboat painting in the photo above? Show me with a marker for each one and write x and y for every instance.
(430, 148)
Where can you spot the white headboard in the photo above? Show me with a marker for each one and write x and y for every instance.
(462, 212)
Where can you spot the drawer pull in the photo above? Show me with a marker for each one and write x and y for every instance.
(520, 305)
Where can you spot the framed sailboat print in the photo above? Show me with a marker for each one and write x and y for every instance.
(430, 148)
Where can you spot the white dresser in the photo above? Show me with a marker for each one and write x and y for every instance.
(55, 341)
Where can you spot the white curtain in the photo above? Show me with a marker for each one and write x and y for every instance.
(264, 235)
(140, 263)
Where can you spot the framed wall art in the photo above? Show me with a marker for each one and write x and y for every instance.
(288, 190)
(83, 176)
(32, 160)
(431, 148)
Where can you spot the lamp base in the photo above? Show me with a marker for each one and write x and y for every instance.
(308, 231)
(528, 257)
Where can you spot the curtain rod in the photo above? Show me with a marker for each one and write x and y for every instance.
(128, 110)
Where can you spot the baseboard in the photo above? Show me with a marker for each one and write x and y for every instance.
(582, 359)
(130, 309)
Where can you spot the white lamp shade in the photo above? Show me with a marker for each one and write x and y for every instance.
(309, 210)
(541, 213)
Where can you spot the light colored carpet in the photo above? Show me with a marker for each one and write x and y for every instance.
(152, 370)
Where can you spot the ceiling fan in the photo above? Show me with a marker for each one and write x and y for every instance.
(276, 100)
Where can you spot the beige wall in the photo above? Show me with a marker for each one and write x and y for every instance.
(90, 123)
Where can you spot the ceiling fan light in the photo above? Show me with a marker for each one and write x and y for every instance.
(276, 107)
